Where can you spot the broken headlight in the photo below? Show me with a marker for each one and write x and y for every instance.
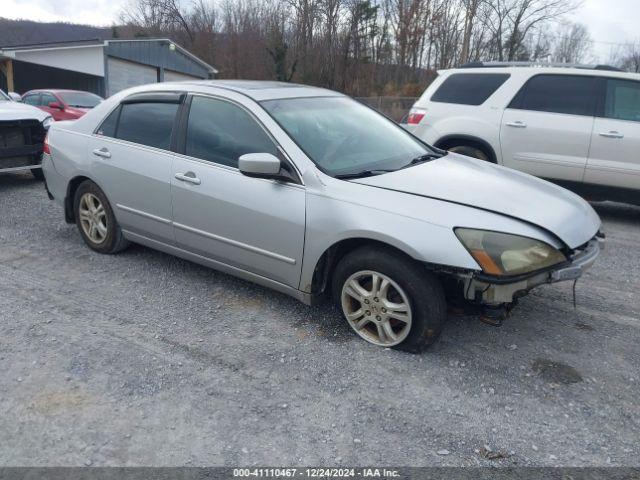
(505, 254)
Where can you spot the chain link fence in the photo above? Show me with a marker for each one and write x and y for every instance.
(393, 107)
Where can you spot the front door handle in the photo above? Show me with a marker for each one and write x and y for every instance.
(516, 124)
(102, 152)
(189, 177)
(612, 134)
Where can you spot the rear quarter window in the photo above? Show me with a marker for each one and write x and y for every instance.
(469, 88)
(109, 125)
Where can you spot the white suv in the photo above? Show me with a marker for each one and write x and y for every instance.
(578, 126)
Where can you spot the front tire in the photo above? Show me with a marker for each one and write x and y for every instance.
(389, 299)
(95, 220)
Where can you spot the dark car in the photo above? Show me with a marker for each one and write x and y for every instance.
(62, 104)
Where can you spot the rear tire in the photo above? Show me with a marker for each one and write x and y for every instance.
(389, 299)
(96, 221)
(469, 151)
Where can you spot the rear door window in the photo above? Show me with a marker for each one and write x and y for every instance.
(469, 88)
(622, 101)
(147, 123)
(568, 94)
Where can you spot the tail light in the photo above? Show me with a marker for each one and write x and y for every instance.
(415, 116)
(46, 148)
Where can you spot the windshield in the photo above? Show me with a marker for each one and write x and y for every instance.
(4, 97)
(80, 99)
(345, 138)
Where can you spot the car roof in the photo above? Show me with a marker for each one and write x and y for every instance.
(56, 90)
(260, 90)
(558, 70)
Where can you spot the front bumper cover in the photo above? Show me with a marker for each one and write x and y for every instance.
(494, 290)
(578, 263)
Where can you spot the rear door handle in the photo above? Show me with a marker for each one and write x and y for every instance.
(516, 124)
(102, 152)
(189, 177)
(612, 134)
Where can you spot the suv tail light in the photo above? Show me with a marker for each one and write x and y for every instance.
(45, 147)
(415, 116)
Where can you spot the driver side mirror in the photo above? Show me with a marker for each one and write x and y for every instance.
(261, 165)
(57, 105)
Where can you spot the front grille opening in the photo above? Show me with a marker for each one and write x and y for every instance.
(21, 143)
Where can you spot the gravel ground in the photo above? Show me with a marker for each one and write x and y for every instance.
(146, 359)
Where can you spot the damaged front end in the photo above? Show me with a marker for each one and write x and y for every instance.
(21, 145)
(493, 296)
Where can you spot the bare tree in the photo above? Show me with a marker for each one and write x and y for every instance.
(471, 11)
(512, 21)
(573, 45)
(627, 57)
(358, 46)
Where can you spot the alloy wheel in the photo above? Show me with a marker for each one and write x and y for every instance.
(93, 218)
(376, 307)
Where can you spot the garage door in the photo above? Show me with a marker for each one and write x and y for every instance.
(171, 76)
(123, 74)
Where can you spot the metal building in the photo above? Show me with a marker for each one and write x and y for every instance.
(103, 67)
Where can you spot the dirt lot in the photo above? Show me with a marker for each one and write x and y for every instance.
(145, 359)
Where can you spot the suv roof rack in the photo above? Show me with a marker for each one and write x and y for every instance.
(539, 64)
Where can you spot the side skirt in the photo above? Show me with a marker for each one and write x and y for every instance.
(304, 297)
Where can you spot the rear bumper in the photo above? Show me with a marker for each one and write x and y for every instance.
(55, 184)
(492, 291)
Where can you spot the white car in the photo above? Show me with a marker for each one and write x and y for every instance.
(22, 132)
(576, 126)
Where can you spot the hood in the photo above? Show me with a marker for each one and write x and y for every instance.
(490, 187)
(21, 111)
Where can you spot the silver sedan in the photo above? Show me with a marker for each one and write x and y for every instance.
(308, 192)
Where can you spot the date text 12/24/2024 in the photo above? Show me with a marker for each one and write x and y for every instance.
(315, 472)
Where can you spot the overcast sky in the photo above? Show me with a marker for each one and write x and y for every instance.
(609, 21)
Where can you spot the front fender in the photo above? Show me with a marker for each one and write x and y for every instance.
(423, 228)
(330, 221)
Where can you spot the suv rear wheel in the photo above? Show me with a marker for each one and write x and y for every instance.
(470, 151)
(388, 299)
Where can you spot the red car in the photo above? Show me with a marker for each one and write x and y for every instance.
(62, 104)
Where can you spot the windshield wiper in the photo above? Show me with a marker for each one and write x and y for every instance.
(362, 174)
(422, 159)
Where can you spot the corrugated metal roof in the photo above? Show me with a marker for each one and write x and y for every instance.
(143, 50)
(71, 43)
